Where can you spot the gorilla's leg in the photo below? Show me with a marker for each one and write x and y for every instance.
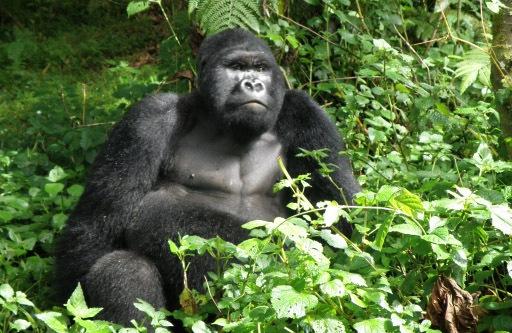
(161, 218)
(115, 282)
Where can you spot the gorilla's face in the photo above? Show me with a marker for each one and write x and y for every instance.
(241, 84)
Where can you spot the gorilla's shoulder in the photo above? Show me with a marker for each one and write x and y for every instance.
(152, 117)
(299, 106)
(156, 105)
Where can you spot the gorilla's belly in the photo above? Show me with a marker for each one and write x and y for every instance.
(244, 206)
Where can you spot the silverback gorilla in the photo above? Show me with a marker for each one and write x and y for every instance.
(203, 164)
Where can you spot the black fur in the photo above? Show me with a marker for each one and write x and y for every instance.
(137, 195)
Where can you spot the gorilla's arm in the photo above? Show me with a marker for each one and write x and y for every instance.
(303, 124)
(122, 173)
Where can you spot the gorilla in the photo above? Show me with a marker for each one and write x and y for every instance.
(203, 164)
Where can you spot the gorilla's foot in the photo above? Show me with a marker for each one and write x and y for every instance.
(117, 280)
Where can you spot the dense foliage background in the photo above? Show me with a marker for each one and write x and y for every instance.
(408, 83)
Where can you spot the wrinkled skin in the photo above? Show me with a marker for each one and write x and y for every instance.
(202, 164)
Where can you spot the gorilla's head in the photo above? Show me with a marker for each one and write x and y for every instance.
(240, 82)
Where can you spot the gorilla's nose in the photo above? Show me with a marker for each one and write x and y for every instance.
(252, 86)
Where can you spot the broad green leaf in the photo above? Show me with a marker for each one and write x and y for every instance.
(407, 202)
(328, 325)
(200, 327)
(501, 217)
(22, 299)
(53, 320)
(386, 192)
(6, 291)
(173, 247)
(77, 307)
(333, 288)
(292, 231)
(375, 325)
(75, 190)
(352, 278)
(406, 229)
(135, 7)
(313, 249)
(58, 220)
(441, 236)
(94, 326)
(332, 239)
(20, 325)
(441, 5)
(474, 64)
(255, 224)
(495, 5)
(289, 303)
(56, 174)
(440, 252)
(332, 214)
(382, 233)
(53, 188)
(381, 44)
(460, 258)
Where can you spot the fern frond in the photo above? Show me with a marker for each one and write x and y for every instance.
(216, 15)
(474, 65)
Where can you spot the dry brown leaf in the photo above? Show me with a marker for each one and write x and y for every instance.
(188, 302)
(450, 308)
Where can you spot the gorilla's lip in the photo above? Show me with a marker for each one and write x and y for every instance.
(254, 102)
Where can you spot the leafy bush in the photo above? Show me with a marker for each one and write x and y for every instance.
(407, 83)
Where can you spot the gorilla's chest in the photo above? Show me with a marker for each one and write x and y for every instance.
(221, 164)
(224, 175)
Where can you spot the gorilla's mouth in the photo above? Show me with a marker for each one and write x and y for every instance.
(254, 104)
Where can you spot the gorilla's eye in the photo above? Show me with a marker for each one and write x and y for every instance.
(260, 67)
(236, 65)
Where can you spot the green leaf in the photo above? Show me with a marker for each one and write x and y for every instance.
(441, 5)
(256, 224)
(292, 231)
(441, 236)
(53, 188)
(313, 249)
(375, 325)
(20, 325)
(352, 278)
(53, 320)
(474, 64)
(289, 303)
(173, 247)
(200, 327)
(22, 299)
(333, 240)
(58, 220)
(386, 192)
(495, 5)
(77, 307)
(6, 291)
(56, 174)
(407, 202)
(333, 288)
(135, 7)
(382, 233)
(75, 190)
(328, 325)
(501, 217)
(406, 229)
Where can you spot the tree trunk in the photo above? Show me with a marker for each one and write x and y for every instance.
(501, 74)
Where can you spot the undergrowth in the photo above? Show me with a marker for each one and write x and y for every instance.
(408, 85)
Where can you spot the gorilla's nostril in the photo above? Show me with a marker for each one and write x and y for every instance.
(248, 85)
(258, 86)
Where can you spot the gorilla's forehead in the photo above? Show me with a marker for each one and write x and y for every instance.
(243, 50)
(226, 42)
